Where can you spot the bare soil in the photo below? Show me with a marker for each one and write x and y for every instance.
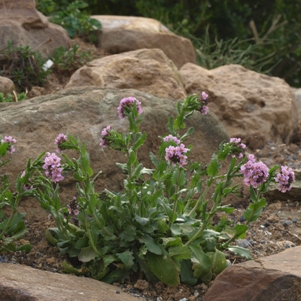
(278, 228)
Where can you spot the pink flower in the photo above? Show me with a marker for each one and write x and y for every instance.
(204, 95)
(175, 154)
(204, 110)
(10, 140)
(52, 167)
(61, 138)
(285, 179)
(237, 148)
(126, 104)
(104, 133)
(171, 138)
(255, 173)
(73, 208)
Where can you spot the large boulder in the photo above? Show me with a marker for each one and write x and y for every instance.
(19, 282)
(6, 85)
(147, 70)
(256, 107)
(22, 24)
(123, 33)
(273, 278)
(36, 122)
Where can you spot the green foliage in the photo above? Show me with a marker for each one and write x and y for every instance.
(23, 66)
(12, 227)
(13, 97)
(161, 223)
(71, 16)
(67, 61)
(213, 54)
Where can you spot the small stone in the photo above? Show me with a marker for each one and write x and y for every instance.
(50, 260)
(267, 224)
(141, 284)
(287, 223)
(242, 219)
(261, 226)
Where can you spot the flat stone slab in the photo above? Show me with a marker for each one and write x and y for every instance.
(23, 283)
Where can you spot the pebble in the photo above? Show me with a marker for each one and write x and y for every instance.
(287, 223)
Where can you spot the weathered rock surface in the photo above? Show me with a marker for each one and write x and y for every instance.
(6, 85)
(21, 23)
(273, 278)
(36, 122)
(123, 33)
(252, 106)
(147, 70)
(19, 282)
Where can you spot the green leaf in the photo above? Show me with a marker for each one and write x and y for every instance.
(171, 241)
(240, 230)
(87, 254)
(240, 251)
(187, 273)
(154, 160)
(129, 233)
(141, 220)
(219, 262)
(115, 276)
(68, 268)
(150, 244)
(83, 242)
(179, 252)
(213, 167)
(201, 263)
(127, 259)
(163, 267)
(25, 247)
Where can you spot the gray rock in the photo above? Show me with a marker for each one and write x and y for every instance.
(122, 33)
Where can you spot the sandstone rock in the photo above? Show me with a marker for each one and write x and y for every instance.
(18, 282)
(273, 278)
(122, 34)
(6, 85)
(36, 122)
(21, 23)
(252, 106)
(147, 70)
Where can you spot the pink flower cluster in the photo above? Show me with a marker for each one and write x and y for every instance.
(10, 140)
(53, 167)
(239, 148)
(176, 154)
(61, 138)
(125, 104)
(73, 207)
(285, 178)
(204, 108)
(255, 173)
(171, 138)
(104, 134)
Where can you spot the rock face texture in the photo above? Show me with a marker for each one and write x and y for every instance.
(6, 85)
(147, 70)
(122, 34)
(273, 278)
(18, 282)
(21, 23)
(36, 122)
(252, 106)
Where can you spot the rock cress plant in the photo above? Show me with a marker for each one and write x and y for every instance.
(160, 226)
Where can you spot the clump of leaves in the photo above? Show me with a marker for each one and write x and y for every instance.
(13, 97)
(75, 21)
(67, 61)
(23, 66)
